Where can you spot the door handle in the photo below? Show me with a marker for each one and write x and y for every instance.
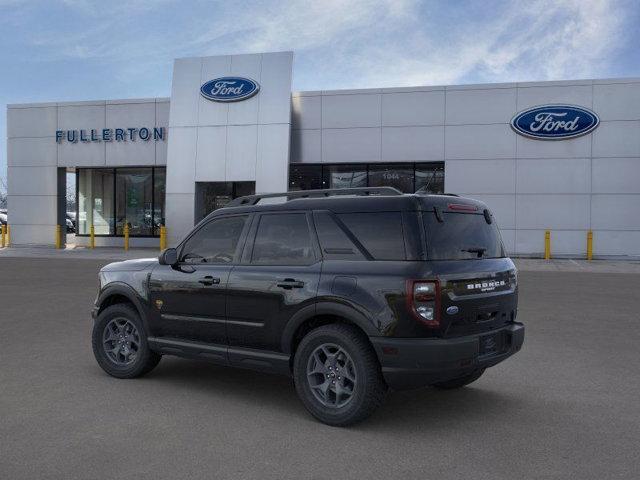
(209, 280)
(289, 283)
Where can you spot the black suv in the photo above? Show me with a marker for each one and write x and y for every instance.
(349, 291)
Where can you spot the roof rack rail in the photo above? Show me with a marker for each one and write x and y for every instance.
(424, 191)
(359, 191)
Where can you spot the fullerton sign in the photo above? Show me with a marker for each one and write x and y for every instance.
(110, 135)
(555, 122)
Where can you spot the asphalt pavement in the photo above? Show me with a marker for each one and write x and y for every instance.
(567, 406)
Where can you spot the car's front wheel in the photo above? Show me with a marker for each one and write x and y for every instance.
(337, 375)
(120, 343)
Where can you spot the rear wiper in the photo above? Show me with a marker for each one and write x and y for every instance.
(479, 250)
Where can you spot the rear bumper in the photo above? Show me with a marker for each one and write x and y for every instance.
(417, 362)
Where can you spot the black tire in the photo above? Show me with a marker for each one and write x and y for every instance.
(368, 389)
(460, 381)
(143, 361)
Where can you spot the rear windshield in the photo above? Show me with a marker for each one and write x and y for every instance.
(461, 236)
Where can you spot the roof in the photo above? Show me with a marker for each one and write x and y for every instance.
(355, 203)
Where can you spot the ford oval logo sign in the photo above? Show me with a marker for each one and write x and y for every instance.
(229, 89)
(555, 122)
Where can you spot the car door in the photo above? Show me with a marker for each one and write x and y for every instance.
(189, 299)
(278, 276)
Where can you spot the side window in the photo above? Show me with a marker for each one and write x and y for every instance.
(283, 239)
(379, 232)
(334, 242)
(215, 242)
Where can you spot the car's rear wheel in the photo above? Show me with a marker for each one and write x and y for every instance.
(337, 375)
(120, 343)
(460, 381)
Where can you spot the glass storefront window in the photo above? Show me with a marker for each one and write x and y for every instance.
(406, 177)
(398, 175)
(95, 201)
(305, 177)
(134, 193)
(430, 178)
(159, 193)
(344, 176)
(110, 198)
(213, 195)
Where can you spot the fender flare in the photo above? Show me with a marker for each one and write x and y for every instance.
(347, 312)
(124, 290)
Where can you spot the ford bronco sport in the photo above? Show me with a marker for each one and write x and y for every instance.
(351, 292)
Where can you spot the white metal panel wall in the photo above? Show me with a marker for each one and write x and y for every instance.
(568, 186)
(33, 155)
(218, 142)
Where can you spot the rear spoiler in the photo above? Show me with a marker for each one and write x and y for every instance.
(459, 207)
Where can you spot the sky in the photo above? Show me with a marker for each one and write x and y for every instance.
(87, 50)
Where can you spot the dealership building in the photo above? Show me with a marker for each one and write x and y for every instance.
(560, 156)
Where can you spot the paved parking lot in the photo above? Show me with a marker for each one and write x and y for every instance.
(567, 406)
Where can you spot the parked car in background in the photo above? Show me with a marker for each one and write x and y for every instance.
(71, 228)
(71, 222)
(351, 292)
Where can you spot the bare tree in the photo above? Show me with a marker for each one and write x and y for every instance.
(71, 194)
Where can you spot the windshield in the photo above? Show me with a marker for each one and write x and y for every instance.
(461, 236)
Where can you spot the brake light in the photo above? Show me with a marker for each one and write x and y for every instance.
(462, 207)
(423, 300)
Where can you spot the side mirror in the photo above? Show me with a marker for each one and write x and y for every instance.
(168, 257)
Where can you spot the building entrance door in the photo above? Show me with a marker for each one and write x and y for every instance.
(213, 195)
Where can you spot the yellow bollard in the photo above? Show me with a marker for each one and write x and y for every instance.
(92, 237)
(589, 245)
(547, 244)
(58, 236)
(8, 235)
(4, 235)
(163, 237)
(126, 236)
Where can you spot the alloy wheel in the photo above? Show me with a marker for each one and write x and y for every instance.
(331, 375)
(121, 341)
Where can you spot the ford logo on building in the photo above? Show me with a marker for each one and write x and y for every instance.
(229, 89)
(555, 122)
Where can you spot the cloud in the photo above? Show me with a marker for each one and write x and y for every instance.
(127, 47)
(361, 43)
(545, 40)
(552, 40)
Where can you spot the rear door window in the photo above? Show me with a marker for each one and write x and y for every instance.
(380, 233)
(461, 236)
(334, 240)
(283, 239)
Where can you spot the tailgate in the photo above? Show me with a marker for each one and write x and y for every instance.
(477, 296)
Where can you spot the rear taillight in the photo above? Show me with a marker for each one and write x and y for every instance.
(423, 298)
